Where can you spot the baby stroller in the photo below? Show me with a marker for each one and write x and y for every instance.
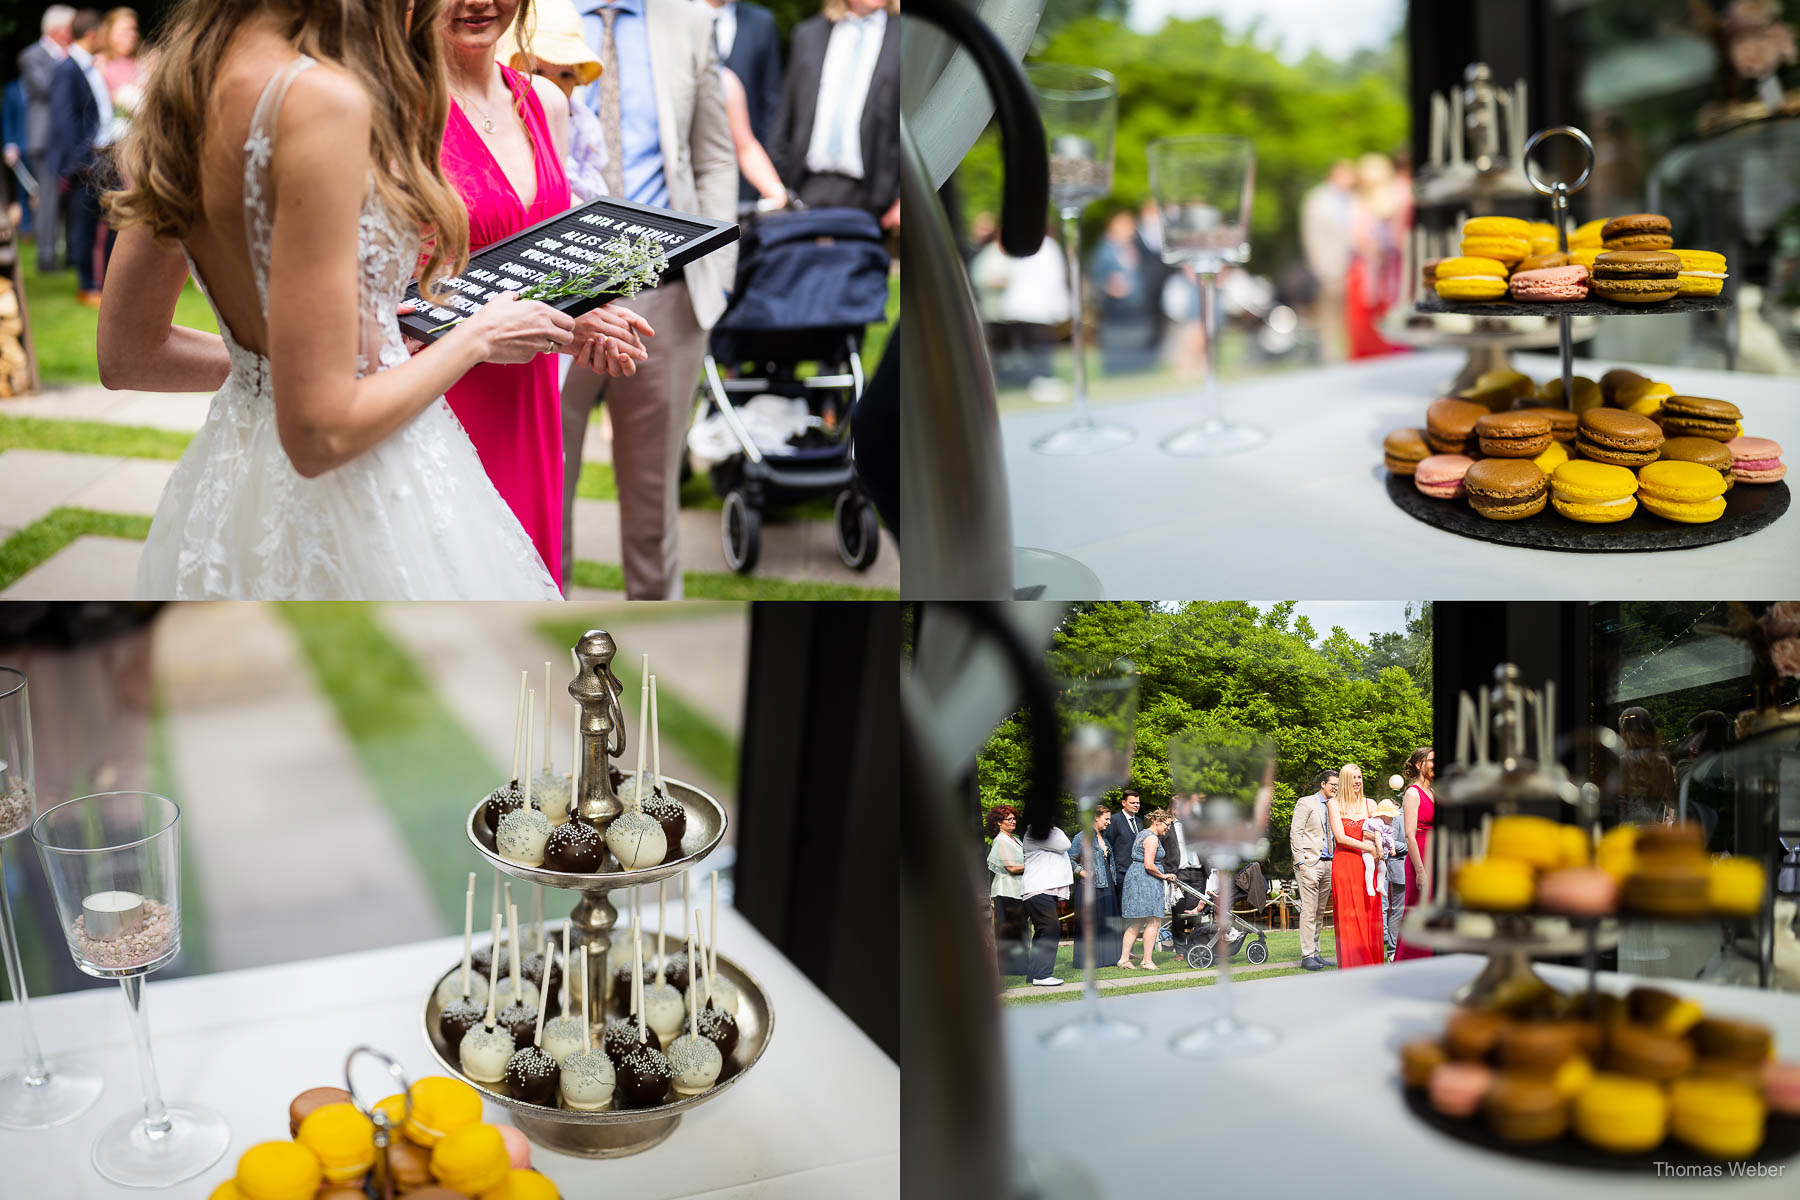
(1199, 945)
(808, 284)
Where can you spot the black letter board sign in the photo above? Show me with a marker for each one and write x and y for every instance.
(569, 243)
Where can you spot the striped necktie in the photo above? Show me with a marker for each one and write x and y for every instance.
(610, 123)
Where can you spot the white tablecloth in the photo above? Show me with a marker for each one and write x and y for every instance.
(1322, 1113)
(1307, 515)
(818, 1117)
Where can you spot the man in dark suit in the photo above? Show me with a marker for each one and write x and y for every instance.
(749, 46)
(837, 137)
(80, 121)
(1184, 862)
(37, 63)
(1122, 834)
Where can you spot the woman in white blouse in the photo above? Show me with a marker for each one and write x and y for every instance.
(1006, 863)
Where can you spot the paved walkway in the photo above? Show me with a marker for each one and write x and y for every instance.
(1072, 981)
(33, 482)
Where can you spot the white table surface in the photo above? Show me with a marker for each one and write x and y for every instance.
(1307, 515)
(818, 1116)
(1322, 1113)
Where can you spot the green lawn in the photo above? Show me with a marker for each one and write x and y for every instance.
(91, 437)
(56, 529)
(1284, 946)
(63, 330)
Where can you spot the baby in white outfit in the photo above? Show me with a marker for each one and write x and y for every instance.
(1380, 829)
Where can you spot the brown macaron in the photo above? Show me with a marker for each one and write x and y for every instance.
(1419, 1059)
(303, 1105)
(1563, 422)
(1636, 276)
(1537, 1047)
(1698, 416)
(1667, 886)
(1493, 397)
(1506, 489)
(1638, 231)
(1637, 1050)
(1521, 434)
(1538, 262)
(1471, 1033)
(1612, 435)
(1735, 1041)
(1428, 273)
(1450, 424)
(1403, 449)
(1702, 450)
(1525, 1108)
(1615, 378)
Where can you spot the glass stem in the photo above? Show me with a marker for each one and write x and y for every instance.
(1090, 982)
(1212, 405)
(1222, 938)
(37, 1072)
(1071, 219)
(156, 1116)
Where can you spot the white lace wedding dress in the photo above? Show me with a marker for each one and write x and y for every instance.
(413, 518)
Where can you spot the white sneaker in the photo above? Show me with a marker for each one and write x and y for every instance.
(1047, 981)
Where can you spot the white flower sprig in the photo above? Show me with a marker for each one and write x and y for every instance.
(625, 268)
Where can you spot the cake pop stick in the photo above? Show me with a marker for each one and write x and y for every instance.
(518, 715)
(547, 723)
(587, 1032)
(662, 920)
(637, 795)
(687, 920)
(512, 925)
(637, 969)
(566, 973)
(712, 950)
(700, 934)
(537, 924)
(530, 704)
(693, 1009)
(537, 1039)
(493, 977)
(468, 931)
(655, 738)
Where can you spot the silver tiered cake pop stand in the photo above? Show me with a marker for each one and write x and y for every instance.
(618, 1132)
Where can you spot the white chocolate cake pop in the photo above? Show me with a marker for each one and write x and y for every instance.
(460, 984)
(662, 1003)
(694, 1062)
(588, 1077)
(522, 835)
(563, 1035)
(634, 838)
(549, 786)
(486, 1048)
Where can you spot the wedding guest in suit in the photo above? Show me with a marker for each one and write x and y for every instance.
(37, 63)
(836, 138)
(1048, 875)
(669, 145)
(12, 142)
(748, 44)
(81, 129)
(1006, 864)
(1310, 841)
(1122, 834)
(1141, 900)
(1106, 896)
(1395, 867)
(1189, 868)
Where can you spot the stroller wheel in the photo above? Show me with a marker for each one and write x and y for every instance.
(1257, 951)
(858, 534)
(741, 526)
(1200, 956)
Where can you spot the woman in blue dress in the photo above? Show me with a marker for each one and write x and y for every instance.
(1141, 900)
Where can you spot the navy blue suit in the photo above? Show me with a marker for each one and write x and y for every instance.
(755, 59)
(74, 124)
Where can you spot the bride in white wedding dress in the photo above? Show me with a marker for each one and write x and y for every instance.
(329, 466)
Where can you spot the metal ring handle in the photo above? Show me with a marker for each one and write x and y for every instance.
(394, 1069)
(1568, 131)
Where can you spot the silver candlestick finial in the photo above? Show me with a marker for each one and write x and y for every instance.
(596, 689)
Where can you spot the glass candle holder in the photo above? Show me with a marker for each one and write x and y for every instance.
(114, 864)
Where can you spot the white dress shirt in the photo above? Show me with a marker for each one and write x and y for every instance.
(102, 94)
(850, 56)
(1047, 866)
(55, 51)
(725, 28)
(1189, 858)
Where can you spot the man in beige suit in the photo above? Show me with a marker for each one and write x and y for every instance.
(1310, 840)
(668, 145)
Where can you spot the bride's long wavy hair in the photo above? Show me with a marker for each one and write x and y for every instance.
(400, 65)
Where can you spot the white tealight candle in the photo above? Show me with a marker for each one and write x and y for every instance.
(108, 915)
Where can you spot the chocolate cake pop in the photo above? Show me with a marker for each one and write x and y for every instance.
(576, 848)
(659, 805)
(588, 1077)
(662, 1008)
(724, 992)
(484, 1050)
(714, 1023)
(694, 1062)
(462, 1011)
(520, 1016)
(534, 964)
(563, 1035)
(507, 798)
(531, 1074)
(642, 1071)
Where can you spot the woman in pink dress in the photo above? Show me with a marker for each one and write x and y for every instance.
(1421, 810)
(503, 152)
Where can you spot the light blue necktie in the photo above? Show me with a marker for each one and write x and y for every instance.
(840, 120)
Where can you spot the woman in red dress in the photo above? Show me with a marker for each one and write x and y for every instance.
(1357, 915)
(1421, 811)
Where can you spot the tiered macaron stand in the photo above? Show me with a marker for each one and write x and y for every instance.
(1501, 726)
(1747, 509)
(615, 1132)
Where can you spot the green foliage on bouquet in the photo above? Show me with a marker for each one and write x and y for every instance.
(624, 268)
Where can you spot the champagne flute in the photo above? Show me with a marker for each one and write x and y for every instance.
(114, 863)
(1080, 110)
(1203, 187)
(1097, 709)
(1223, 784)
(35, 1095)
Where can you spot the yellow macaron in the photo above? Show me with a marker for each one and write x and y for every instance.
(1587, 393)
(1541, 235)
(1554, 456)
(440, 1105)
(1621, 1114)
(1716, 1117)
(1617, 852)
(1702, 272)
(471, 1160)
(343, 1139)
(1587, 237)
(1471, 278)
(279, 1171)
(1535, 841)
(1517, 382)
(226, 1191)
(1645, 398)
(1496, 885)
(1573, 846)
(1585, 257)
(1682, 491)
(1505, 239)
(1593, 492)
(522, 1184)
(1735, 886)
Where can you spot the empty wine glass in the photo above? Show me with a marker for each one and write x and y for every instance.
(1222, 784)
(36, 1095)
(1203, 187)
(1097, 711)
(1080, 111)
(114, 862)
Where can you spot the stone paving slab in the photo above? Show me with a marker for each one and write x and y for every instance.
(92, 568)
(1072, 982)
(294, 855)
(32, 482)
(134, 486)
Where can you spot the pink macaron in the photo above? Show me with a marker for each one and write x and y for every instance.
(1441, 475)
(1457, 1089)
(1755, 460)
(518, 1147)
(1781, 1086)
(1551, 283)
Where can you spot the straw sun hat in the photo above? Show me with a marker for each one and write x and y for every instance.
(556, 39)
(1386, 808)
